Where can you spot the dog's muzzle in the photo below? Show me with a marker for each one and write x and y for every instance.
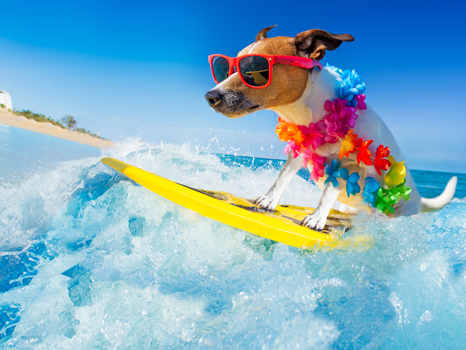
(230, 103)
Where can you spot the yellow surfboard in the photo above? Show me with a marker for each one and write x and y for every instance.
(282, 226)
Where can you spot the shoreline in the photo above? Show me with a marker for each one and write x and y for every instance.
(8, 118)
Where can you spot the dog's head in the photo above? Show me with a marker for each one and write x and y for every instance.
(234, 99)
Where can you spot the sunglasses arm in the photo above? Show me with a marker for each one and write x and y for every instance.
(296, 61)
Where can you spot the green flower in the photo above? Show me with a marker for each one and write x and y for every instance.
(385, 201)
(386, 198)
(402, 191)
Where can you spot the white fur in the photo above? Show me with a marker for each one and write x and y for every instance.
(431, 204)
(253, 46)
(309, 108)
(220, 88)
(318, 218)
(270, 200)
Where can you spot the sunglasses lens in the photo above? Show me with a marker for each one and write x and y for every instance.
(254, 70)
(221, 68)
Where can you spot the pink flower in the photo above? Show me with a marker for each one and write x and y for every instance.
(350, 116)
(307, 156)
(361, 102)
(331, 139)
(317, 162)
(333, 126)
(337, 123)
(317, 166)
(335, 106)
(287, 149)
(313, 137)
(291, 146)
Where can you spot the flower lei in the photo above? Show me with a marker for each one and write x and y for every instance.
(337, 126)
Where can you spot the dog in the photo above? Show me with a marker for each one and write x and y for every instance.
(298, 95)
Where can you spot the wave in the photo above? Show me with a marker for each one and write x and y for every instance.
(91, 260)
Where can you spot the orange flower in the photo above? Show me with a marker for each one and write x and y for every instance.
(348, 144)
(282, 130)
(289, 132)
(364, 154)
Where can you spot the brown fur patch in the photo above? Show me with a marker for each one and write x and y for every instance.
(288, 82)
(263, 33)
(313, 43)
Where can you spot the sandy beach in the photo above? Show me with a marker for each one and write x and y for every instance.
(8, 118)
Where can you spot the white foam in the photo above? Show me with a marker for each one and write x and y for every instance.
(151, 274)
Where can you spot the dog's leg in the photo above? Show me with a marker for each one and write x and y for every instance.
(270, 200)
(317, 219)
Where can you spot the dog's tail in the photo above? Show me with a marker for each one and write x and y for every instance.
(431, 204)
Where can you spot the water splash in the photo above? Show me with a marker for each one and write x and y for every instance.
(91, 260)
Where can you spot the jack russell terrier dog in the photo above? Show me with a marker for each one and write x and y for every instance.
(301, 92)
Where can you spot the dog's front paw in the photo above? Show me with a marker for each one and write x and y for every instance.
(314, 221)
(266, 202)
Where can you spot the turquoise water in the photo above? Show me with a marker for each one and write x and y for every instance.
(429, 183)
(89, 260)
(24, 152)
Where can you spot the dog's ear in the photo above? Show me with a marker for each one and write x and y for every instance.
(263, 33)
(313, 43)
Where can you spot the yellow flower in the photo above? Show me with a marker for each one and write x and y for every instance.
(396, 174)
(348, 145)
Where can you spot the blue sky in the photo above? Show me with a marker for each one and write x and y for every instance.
(140, 68)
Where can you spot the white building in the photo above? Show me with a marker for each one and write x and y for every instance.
(5, 99)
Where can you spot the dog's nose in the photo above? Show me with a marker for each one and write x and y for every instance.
(213, 97)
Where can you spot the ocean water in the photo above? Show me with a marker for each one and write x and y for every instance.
(89, 260)
(24, 152)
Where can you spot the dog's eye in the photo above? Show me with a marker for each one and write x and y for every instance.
(221, 68)
(254, 70)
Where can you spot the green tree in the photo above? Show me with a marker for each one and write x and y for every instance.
(2, 105)
(69, 121)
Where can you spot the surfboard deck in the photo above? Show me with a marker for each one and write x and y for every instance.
(282, 226)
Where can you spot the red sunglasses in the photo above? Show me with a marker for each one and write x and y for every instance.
(254, 70)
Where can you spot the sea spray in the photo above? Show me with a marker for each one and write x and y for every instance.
(91, 260)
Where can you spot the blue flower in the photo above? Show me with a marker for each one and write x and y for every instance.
(370, 188)
(333, 172)
(352, 86)
(352, 186)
